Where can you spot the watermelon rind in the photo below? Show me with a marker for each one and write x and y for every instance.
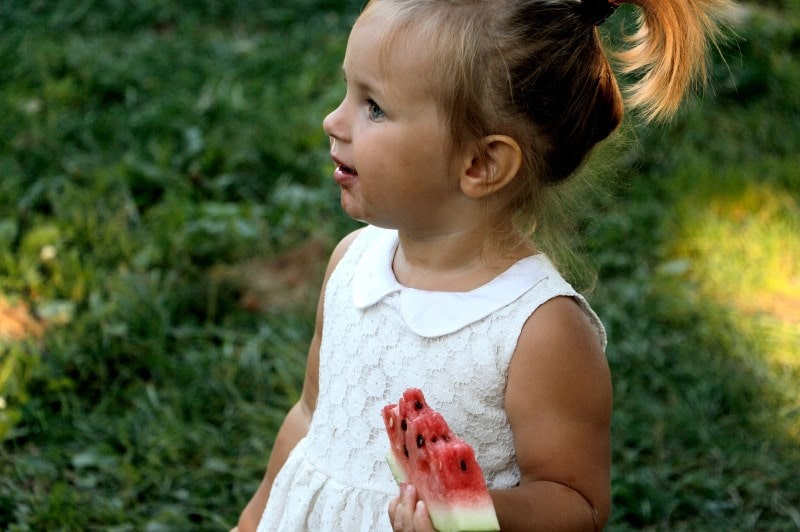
(464, 519)
(396, 469)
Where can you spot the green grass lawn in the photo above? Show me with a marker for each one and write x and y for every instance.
(158, 161)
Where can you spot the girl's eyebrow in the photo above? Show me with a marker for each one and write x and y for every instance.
(359, 83)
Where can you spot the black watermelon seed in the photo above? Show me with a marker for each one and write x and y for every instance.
(433, 440)
(463, 465)
(417, 405)
(405, 450)
(404, 425)
(420, 440)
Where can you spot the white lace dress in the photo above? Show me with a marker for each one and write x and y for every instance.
(381, 338)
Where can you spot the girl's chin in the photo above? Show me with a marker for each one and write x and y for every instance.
(351, 207)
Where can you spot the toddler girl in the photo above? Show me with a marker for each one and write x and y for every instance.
(458, 114)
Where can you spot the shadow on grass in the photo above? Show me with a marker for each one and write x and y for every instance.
(707, 409)
(702, 433)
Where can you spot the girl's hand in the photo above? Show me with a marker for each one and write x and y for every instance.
(407, 513)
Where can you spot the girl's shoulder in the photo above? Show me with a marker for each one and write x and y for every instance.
(345, 244)
(338, 253)
(347, 252)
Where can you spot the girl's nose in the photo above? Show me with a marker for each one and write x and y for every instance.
(334, 124)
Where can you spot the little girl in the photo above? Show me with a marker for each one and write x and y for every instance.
(458, 114)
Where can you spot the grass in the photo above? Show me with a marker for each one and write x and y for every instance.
(705, 343)
(158, 160)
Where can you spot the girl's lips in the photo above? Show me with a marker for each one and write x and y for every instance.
(344, 174)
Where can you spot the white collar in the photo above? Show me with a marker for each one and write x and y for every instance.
(431, 314)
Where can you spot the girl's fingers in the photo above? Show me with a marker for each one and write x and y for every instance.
(402, 510)
(422, 521)
(393, 508)
(407, 513)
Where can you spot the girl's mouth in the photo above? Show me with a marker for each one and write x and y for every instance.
(344, 174)
(347, 170)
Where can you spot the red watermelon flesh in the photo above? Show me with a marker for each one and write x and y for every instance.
(442, 466)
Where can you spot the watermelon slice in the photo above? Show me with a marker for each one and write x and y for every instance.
(442, 467)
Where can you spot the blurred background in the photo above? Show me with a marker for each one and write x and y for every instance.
(166, 211)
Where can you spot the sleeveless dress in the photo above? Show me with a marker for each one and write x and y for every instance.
(380, 338)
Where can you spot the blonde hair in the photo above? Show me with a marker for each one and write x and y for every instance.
(670, 49)
(537, 71)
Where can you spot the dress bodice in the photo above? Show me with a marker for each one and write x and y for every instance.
(380, 338)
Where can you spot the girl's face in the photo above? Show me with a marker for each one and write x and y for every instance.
(389, 140)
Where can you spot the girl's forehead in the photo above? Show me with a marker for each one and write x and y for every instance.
(377, 30)
(389, 50)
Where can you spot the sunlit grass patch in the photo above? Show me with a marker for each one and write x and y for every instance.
(744, 247)
(742, 244)
(735, 238)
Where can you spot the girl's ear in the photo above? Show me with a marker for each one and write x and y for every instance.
(490, 166)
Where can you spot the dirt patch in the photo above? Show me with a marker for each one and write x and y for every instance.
(17, 322)
(290, 280)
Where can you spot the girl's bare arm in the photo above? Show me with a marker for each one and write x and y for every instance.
(558, 401)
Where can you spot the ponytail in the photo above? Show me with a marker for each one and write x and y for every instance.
(669, 51)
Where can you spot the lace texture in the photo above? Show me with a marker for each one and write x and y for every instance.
(337, 478)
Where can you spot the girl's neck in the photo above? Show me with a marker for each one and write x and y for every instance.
(457, 261)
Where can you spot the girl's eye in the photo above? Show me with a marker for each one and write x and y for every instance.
(374, 110)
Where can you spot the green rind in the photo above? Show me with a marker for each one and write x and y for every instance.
(451, 518)
(396, 469)
(455, 519)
